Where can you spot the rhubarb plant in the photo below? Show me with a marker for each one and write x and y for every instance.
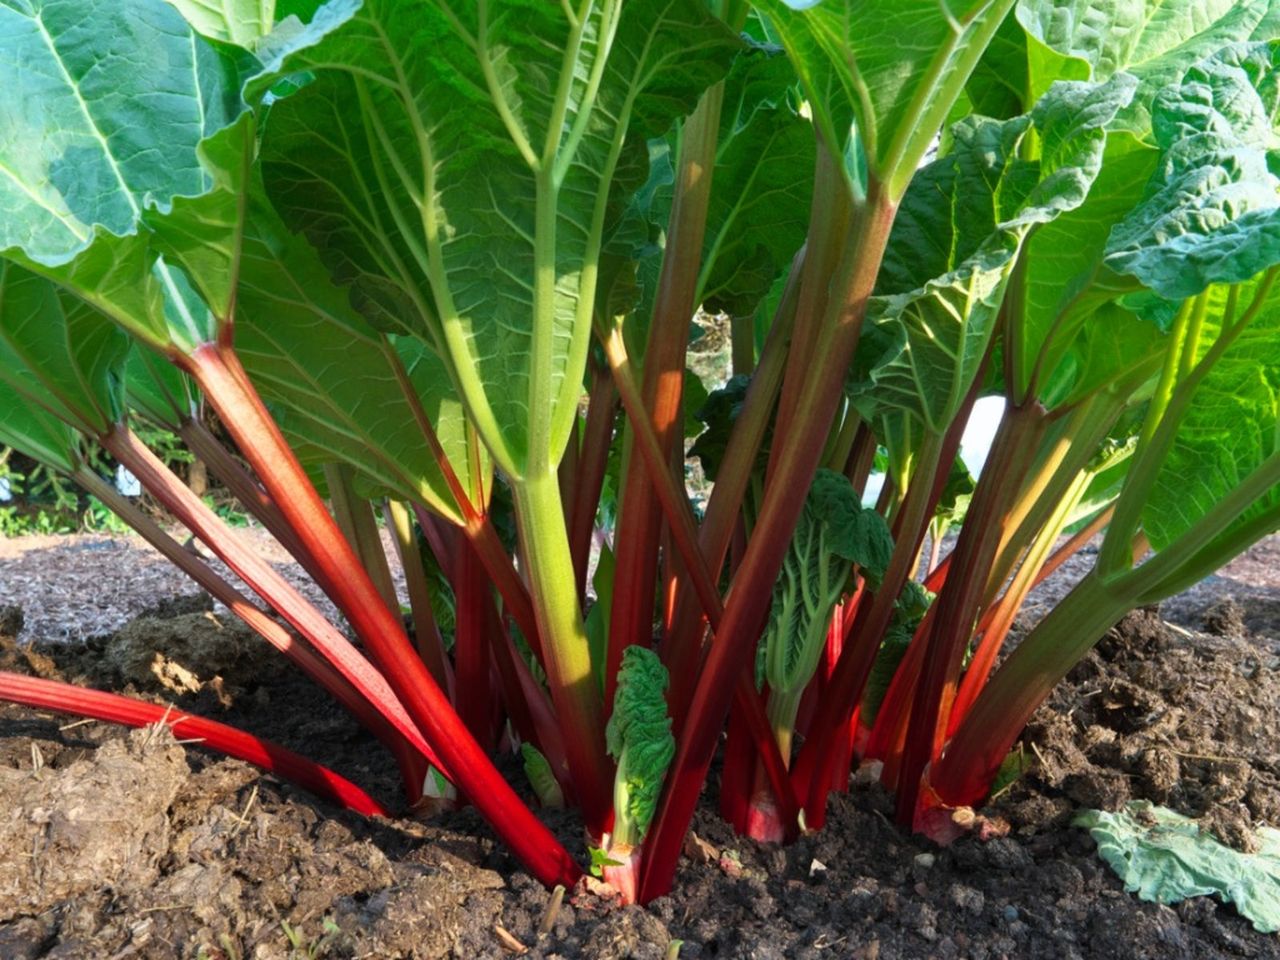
(439, 262)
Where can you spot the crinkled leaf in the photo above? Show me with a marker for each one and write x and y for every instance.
(958, 235)
(1155, 40)
(639, 737)
(411, 159)
(854, 534)
(1165, 857)
(834, 533)
(1212, 213)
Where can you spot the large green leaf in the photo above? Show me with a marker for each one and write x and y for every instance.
(242, 22)
(114, 98)
(1212, 213)
(59, 352)
(105, 103)
(157, 389)
(187, 262)
(1231, 425)
(998, 86)
(897, 66)
(326, 372)
(455, 162)
(1113, 347)
(127, 117)
(760, 194)
(1155, 40)
(958, 234)
(34, 433)
(1062, 286)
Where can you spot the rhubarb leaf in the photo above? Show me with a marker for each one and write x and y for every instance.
(59, 352)
(853, 63)
(1230, 427)
(1157, 42)
(1212, 214)
(88, 143)
(1165, 857)
(242, 22)
(639, 737)
(158, 389)
(762, 184)
(1063, 285)
(958, 235)
(1154, 40)
(834, 533)
(330, 376)
(140, 123)
(1113, 347)
(34, 433)
(953, 504)
(456, 165)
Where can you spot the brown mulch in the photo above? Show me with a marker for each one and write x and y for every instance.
(72, 587)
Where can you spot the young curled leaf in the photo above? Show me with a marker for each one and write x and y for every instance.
(639, 737)
(835, 533)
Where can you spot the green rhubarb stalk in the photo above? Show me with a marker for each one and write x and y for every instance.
(554, 592)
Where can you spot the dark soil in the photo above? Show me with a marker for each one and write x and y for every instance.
(121, 844)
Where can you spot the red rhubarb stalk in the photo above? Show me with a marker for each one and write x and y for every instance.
(999, 619)
(263, 579)
(113, 708)
(1011, 457)
(301, 655)
(220, 375)
(597, 436)
(640, 513)
(798, 453)
(682, 649)
(471, 654)
(681, 526)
